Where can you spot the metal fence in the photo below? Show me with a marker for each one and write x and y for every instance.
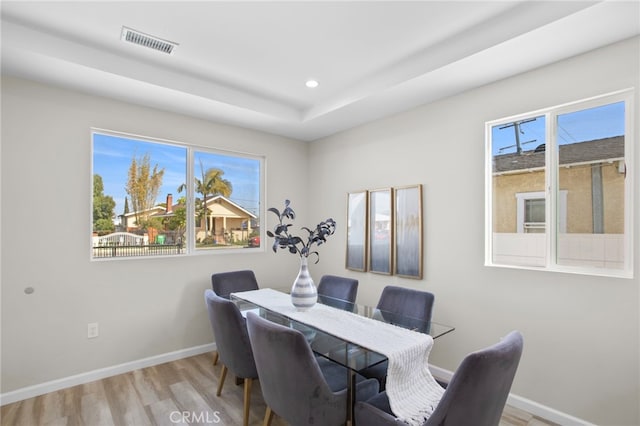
(136, 250)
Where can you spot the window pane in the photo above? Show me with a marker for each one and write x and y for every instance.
(227, 195)
(534, 210)
(134, 212)
(518, 154)
(592, 172)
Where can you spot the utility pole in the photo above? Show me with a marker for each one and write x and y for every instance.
(517, 131)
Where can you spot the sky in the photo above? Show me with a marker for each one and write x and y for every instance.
(580, 126)
(112, 157)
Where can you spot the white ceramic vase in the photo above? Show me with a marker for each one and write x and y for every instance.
(303, 292)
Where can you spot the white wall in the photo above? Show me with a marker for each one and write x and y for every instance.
(581, 333)
(144, 307)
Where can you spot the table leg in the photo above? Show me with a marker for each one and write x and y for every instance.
(351, 396)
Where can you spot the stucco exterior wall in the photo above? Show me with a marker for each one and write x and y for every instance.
(576, 180)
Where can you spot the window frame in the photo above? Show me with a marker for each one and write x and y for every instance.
(555, 197)
(190, 195)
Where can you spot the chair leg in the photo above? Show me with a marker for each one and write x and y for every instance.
(215, 358)
(247, 399)
(268, 416)
(223, 374)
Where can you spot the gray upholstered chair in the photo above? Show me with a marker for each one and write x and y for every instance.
(475, 396)
(232, 341)
(297, 386)
(225, 283)
(405, 307)
(342, 288)
(341, 291)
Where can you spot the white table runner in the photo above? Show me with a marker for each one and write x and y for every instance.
(413, 392)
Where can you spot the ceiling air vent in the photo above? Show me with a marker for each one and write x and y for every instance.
(136, 37)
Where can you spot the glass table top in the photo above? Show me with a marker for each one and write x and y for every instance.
(337, 349)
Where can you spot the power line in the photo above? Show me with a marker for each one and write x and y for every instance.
(573, 139)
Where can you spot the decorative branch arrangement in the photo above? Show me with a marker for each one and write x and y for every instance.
(294, 244)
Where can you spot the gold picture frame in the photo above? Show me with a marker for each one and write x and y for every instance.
(408, 244)
(357, 208)
(380, 231)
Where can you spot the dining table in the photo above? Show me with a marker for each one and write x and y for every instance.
(358, 337)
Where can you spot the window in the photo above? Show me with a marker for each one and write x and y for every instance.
(227, 195)
(559, 190)
(143, 205)
(531, 212)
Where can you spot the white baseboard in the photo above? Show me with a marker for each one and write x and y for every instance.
(525, 404)
(90, 376)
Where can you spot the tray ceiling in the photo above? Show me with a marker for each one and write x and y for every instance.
(246, 63)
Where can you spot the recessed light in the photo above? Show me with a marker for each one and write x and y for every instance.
(311, 84)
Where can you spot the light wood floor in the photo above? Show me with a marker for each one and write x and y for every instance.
(160, 395)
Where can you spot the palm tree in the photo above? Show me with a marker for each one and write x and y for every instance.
(212, 183)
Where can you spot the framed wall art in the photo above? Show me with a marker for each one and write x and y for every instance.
(380, 230)
(357, 231)
(407, 214)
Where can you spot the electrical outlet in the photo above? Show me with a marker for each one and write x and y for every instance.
(92, 330)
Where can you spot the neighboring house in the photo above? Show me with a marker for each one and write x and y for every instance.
(591, 175)
(591, 189)
(228, 221)
(129, 223)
